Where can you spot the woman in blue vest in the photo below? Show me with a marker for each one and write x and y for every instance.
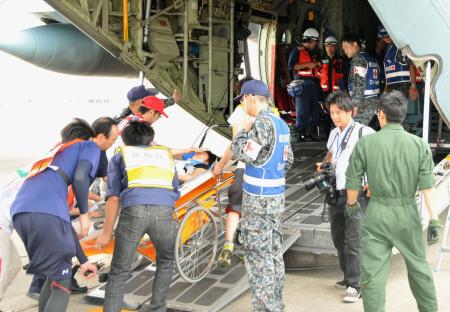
(41, 217)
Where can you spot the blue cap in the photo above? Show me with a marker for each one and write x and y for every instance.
(140, 92)
(254, 87)
(382, 33)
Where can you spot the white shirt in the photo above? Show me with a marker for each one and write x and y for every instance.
(234, 120)
(7, 196)
(341, 156)
(110, 152)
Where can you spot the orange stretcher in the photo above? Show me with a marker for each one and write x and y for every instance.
(199, 216)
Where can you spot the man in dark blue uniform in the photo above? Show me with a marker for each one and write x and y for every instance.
(41, 217)
(306, 68)
(400, 72)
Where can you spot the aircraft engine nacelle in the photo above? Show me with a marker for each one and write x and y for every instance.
(65, 49)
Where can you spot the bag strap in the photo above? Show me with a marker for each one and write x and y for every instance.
(360, 132)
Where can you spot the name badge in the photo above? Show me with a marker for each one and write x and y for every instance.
(285, 153)
(252, 149)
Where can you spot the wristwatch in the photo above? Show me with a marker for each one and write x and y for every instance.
(413, 84)
(352, 205)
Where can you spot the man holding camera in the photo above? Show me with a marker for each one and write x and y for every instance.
(345, 232)
(397, 164)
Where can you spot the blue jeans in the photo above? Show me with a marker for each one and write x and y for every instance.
(36, 284)
(134, 222)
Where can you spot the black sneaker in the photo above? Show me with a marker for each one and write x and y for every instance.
(33, 295)
(304, 137)
(341, 284)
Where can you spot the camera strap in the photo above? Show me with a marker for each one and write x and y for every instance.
(344, 141)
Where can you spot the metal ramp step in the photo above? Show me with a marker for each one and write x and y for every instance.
(304, 208)
(303, 231)
(215, 291)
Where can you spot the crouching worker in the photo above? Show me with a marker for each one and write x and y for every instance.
(142, 180)
(41, 217)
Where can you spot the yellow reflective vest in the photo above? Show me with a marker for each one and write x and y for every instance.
(148, 166)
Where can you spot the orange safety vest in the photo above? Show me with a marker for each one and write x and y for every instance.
(306, 57)
(42, 164)
(70, 197)
(337, 73)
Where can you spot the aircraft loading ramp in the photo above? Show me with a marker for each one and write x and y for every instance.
(216, 290)
(221, 286)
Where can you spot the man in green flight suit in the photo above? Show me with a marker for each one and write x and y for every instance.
(397, 164)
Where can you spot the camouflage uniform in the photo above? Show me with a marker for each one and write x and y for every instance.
(366, 107)
(261, 223)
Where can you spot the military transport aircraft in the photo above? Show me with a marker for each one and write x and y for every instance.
(201, 47)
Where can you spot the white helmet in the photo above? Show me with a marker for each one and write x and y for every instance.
(331, 40)
(311, 33)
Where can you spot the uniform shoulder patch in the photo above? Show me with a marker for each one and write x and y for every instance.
(360, 71)
(252, 149)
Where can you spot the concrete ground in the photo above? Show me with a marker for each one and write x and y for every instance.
(305, 290)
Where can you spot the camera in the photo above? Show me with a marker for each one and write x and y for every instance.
(324, 181)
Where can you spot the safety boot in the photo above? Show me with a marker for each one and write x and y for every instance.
(304, 136)
(225, 256)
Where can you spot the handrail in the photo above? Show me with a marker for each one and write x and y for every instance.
(125, 19)
(207, 131)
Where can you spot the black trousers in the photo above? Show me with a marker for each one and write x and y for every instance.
(346, 236)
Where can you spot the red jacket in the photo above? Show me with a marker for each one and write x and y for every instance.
(337, 73)
(306, 57)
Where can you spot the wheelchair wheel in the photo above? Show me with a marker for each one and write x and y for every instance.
(196, 244)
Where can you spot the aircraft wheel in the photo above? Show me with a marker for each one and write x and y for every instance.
(196, 244)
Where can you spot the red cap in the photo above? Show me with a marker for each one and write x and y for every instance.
(152, 102)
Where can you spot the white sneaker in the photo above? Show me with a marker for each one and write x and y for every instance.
(352, 295)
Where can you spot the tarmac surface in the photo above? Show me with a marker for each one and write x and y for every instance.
(305, 290)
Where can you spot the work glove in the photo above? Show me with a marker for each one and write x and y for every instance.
(433, 231)
(352, 212)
